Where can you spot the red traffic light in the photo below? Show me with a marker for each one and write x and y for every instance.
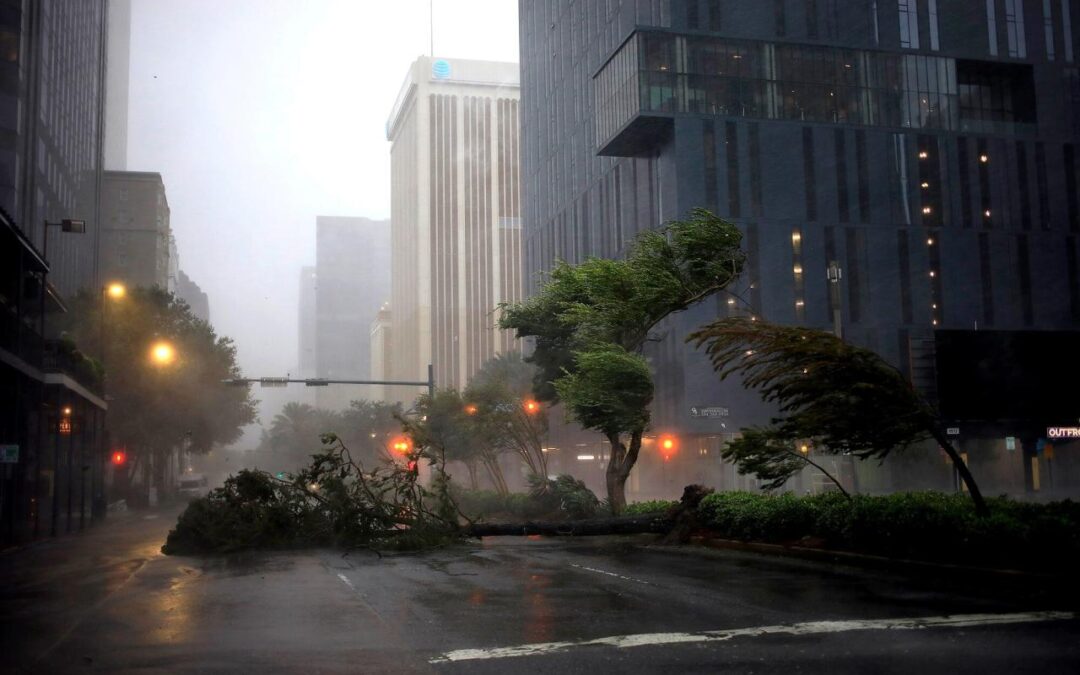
(119, 457)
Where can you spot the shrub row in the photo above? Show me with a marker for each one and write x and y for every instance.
(919, 525)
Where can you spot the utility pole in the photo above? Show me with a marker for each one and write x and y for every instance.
(834, 275)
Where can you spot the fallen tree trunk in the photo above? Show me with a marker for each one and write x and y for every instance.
(677, 523)
(656, 523)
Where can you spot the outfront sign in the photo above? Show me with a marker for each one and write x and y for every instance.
(1062, 432)
(709, 411)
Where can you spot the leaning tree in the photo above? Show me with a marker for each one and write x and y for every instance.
(842, 398)
(590, 322)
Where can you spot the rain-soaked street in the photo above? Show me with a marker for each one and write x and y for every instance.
(107, 600)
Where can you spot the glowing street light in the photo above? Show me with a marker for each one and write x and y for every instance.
(531, 406)
(470, 409)
(162, 353)
(116, 290)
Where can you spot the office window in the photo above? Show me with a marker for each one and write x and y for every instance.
(854, 244)
(933, 250)
(693, 20)
(714, 15)
(986, 271)
(909, 23)
(931, 204)
(1014, 28)
(1024, 185)
(1023, 259)
(1044, 188)
(1048, 28)
(1066, 30)
(983, 160)
(991, 26)
(780, 17)
(874, 22)
(842, 176)
(809, 174)
(1074, 275)
(811, 19)
(904, 259)
(712, 196)
(1070, 188)
(798, 274)
(756, 200)
(732, 148)
(830, 258)
(935, 39)
(862, 169)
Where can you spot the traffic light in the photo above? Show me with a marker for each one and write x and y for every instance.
(119, 457)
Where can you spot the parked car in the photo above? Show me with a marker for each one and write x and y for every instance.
(193, 486)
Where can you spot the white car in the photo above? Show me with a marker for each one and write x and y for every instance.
(193, 486)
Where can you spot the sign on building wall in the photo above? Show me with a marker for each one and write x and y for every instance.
(709, 411)
(9, 454)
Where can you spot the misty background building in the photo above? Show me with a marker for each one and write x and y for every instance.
(455, 205)
(927, 148)
(190, 292)
(306, 323)
(352, 281)
(137, 246)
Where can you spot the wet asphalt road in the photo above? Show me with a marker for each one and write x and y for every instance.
(108, 601)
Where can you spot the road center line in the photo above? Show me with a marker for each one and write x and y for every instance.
(807, 628)
(610, 574)
(347, 582)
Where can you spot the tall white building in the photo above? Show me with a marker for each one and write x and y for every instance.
(456, 239)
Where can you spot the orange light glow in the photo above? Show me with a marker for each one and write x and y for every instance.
(162, 353)
(116, 290)
(668, 446)
(470, 410)
(400, 445)
(119, 457)
(531, 406)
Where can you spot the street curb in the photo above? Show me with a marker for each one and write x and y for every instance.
(864, 559)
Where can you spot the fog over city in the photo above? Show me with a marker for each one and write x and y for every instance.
(261, 115)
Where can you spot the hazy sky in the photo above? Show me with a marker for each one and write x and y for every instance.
(261, 115)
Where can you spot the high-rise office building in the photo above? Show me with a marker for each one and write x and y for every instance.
(927, 147)
(196, 298)
(352, 281)
(52, 56)
(137, 246)
(381, 353)
(117, 77)
(306, 319)
(456, 213)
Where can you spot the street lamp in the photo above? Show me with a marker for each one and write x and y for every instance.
(115, 290)
(162, 353)
(531, 406)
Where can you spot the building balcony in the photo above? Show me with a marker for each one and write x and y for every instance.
(656, 76)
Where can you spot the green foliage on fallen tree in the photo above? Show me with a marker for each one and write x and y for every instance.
(335, 501)
(552, 499)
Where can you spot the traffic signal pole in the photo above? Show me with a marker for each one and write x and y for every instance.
(321, 382)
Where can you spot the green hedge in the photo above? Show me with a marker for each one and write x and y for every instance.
(645, 508)
(919, 525)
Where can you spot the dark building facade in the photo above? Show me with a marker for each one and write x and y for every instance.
(52, 107)
(927, 147)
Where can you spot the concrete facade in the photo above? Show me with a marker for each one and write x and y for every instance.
(455, 206)
(137, 244)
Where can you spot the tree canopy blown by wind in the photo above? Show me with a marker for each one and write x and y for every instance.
(842, 398)
(589, 323)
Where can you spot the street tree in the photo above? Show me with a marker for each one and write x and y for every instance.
(839, 397)
(444, 428)
(499, 400)
(295, 433)
(163, 372)
(593, 319)
(367, 427)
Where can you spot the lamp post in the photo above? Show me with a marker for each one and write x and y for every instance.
(114, 291)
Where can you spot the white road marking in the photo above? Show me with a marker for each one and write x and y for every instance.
(610, 574)
(807, 628)
(347, 582)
